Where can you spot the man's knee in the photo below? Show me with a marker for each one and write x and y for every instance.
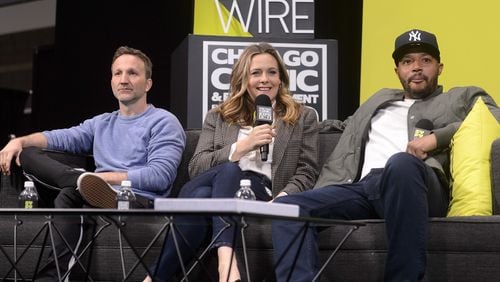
(405, 175)
(30, 152)
(403, 158)
(28, 157)
(283, 200)
(295, 199)
(405, 163)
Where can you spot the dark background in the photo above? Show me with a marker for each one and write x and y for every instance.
(71, 78)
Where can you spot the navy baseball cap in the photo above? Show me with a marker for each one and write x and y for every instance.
(413, 41)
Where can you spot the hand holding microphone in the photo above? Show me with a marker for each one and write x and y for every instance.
(263, 115)
(423, 140)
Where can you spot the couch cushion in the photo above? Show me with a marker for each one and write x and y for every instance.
(453, 244)
(327, 142)
(192, 136)
(470, 162)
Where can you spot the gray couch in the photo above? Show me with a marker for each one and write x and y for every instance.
(459, 249)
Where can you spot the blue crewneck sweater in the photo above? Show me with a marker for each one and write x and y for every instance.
(148, 146)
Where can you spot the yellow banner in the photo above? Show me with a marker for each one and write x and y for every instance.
(211, 17)
(467, 34)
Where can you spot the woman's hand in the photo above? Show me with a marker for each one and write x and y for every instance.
(260, 135)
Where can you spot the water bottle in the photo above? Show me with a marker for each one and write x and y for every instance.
(245, 192)
(125, 197)
(28, 199)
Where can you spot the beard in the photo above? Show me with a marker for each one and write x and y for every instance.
(431, 85)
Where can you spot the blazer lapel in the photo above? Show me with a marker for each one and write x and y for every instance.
(230, 133)
(284, 133)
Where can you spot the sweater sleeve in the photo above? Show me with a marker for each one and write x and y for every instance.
(164, 154)
(77, 139)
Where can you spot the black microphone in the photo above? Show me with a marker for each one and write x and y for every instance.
(263, 115)
(423, 127)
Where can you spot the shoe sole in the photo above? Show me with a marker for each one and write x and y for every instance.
(97, 193)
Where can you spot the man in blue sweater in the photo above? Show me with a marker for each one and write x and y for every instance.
(138, 142)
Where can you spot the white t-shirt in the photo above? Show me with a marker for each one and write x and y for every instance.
(388, 135)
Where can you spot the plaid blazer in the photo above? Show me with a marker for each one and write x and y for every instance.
(295, 153)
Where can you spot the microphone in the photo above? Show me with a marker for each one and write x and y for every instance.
(423, 127)
(263, 115)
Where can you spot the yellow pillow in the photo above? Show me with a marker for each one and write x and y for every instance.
(470, 163)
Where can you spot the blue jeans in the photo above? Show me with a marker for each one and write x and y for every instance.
(398, 193)
(221, 181)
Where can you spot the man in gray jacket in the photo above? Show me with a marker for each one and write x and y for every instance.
(382, 169)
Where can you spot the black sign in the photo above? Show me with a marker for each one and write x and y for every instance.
(312, 67)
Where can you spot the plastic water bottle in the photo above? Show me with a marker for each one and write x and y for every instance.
(245, 192)
(125, 197)
(28, 199)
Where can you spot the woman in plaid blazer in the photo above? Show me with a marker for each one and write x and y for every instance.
(228, 151)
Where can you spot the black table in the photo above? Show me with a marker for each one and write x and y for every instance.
(246, 212)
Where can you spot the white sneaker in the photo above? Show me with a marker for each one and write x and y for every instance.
(96, 191)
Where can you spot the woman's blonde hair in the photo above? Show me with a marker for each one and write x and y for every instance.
(239, 106)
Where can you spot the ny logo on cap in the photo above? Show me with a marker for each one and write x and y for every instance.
(414, 35)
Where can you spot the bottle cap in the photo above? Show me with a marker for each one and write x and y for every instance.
(127, 183)
(245, 182)
(29, 184)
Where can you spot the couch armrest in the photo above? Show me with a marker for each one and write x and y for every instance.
(192, 136)
(495, 175)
